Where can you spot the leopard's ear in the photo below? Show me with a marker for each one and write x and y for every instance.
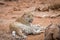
(26, 14)
(23, 15)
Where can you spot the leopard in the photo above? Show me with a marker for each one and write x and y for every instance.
(23, 26)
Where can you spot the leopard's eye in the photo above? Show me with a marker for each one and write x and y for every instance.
(28, 16)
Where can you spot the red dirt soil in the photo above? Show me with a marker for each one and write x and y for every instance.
(10, 11)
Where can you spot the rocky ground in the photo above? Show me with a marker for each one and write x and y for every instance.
(44, 14)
